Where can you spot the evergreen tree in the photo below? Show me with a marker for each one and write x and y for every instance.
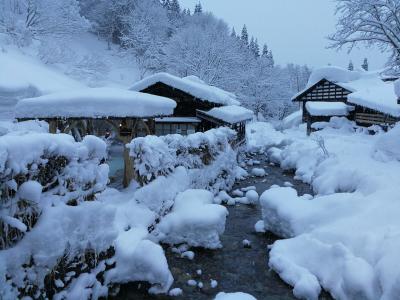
(365, 64)
(198, 9)
(165, 3)
(265, 51)
(270, 58)
(256, 48)
(245, 36)
(351, 66)
(175, 7)
(252, 46)
(233, 32)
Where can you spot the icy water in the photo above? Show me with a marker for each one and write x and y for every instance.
(234, 267)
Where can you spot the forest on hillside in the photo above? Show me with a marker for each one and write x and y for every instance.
(159, 36)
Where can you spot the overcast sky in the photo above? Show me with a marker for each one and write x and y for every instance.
(295, 30)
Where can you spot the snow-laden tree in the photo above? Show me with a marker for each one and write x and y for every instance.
(369, 22)
(198, 9)
(146, 32)
(25, 19)
(245, 35)
(203, 48)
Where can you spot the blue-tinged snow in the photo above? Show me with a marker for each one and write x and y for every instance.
(191, 85)
(95, 103)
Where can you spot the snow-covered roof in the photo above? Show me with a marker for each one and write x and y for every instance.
(95, 103)
(191, 85)
(178, 120)
(231, 114)
(367, 88)
(328, 108)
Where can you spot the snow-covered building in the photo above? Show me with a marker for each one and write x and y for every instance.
(129, 114)
(199, 106)
(364, 97)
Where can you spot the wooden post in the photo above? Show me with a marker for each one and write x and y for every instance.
(53, 126)
(309, 125)
(128, 166)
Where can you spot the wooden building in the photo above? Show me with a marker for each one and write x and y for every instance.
(129, 114)
(194, 100)
(362, 97)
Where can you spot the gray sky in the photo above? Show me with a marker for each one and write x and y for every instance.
(295, 30)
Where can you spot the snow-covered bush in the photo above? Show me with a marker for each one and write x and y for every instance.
(38, 170)
(159, 156)
(151, 158)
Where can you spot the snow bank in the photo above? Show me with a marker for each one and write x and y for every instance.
(231, 114)
(261, 135)
(159, 194)
(343, 238)
(21, 73)
(190, 85)
(292, 120)
(328, 108)
(194, 220)
(95, 103)
(23, 77)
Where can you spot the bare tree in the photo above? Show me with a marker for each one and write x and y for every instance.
(371, 22)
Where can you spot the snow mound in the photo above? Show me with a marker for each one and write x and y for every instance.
(190, 86)
(138, 259)
(261, 135)
(234, 296)
(292, 120)
(389, 144)
(95, 103)
(194, 220)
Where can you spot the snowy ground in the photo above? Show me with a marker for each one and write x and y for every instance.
(345, 239)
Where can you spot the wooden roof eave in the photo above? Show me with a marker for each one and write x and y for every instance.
(183, 92)
(203, 115)
(306, 91)
(62, 118)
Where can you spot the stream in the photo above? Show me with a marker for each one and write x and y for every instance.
(234, 267)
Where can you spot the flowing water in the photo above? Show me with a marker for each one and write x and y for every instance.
(234, 267)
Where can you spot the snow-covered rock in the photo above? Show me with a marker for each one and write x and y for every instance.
(234, 296)
(258, 172)
(252, 196)
(194, 220)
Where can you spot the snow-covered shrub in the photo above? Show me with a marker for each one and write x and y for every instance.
(151, 158)
(38, 170)
(159, 156)
(218, 176)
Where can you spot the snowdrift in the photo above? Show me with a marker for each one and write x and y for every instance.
(343, 239)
